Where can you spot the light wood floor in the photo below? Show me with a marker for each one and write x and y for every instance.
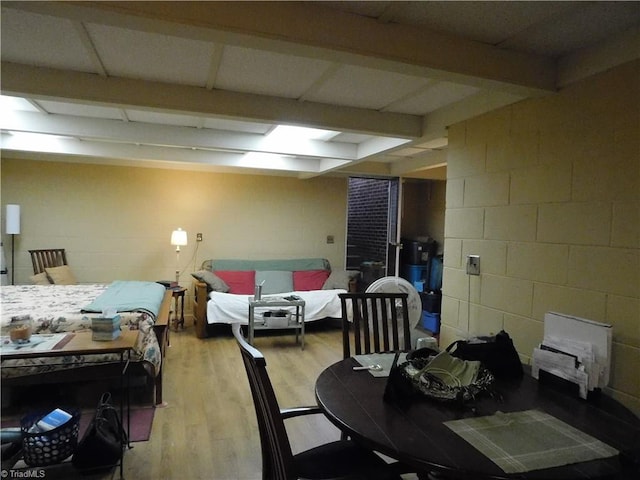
(208, 428)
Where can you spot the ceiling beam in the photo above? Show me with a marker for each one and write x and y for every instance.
(430, 159)
(120, 151)
(146, 163)
(53, 84)
(312, 30)
(617, 50)
(366, 168)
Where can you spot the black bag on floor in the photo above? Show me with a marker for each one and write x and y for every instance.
(497, 353)
(102, 444)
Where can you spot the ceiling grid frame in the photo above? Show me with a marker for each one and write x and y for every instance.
(371, 36)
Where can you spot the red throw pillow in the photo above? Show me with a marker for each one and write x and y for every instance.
(305, 280)
(240, 282)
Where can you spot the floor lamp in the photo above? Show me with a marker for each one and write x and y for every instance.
(179, 239)
(4, 272)
(12, 227)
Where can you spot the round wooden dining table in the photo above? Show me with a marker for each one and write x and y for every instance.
(417, 436)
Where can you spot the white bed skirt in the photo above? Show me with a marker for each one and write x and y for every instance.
(230, 308)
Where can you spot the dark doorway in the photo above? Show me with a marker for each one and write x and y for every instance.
(372, 227)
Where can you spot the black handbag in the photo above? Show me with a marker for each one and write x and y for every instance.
(104, 440)
(497, 353)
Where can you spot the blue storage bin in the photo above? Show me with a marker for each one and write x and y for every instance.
(415, 273)
(431, 321)
(435, 280)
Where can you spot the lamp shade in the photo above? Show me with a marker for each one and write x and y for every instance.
(179, 238)
(12, 219)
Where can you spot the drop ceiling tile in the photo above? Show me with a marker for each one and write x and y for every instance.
(487, 22)
(579, 26)
(268, 73)
(436, 96)
(151, 56)
(27, 37)
(367, 9)
(365, 87)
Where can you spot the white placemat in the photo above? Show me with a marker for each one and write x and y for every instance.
(529, 440)
(385, 360)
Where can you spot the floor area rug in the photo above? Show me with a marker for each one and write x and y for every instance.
(140, 423)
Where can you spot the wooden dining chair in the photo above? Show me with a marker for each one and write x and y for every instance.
(374, 323)
(47, 258)
(339, 459)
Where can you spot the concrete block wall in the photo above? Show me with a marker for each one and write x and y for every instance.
(547, 192)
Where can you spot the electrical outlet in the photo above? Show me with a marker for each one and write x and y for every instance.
(330, 239)
(473, 264)
(198, 237)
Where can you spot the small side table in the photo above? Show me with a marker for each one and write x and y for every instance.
(297, 320)
(178, 296)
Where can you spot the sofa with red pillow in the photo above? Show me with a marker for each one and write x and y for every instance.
(223, 287)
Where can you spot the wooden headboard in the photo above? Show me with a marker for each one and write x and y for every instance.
(52, 257)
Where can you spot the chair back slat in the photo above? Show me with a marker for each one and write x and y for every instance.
(394, 325)
(277, 457)
(374, 323)
(47, 258)
(377, 316)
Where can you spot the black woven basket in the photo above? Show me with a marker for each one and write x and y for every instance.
(46, 448)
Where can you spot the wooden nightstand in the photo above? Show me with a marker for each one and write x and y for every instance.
(178, 297)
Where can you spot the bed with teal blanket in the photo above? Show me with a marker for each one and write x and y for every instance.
(54, 309)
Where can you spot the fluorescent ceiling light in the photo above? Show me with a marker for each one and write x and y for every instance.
(287, 138)
(27, 140)
(16, 103)
(287, 132)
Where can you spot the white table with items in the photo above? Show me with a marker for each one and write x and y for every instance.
(293, 319)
